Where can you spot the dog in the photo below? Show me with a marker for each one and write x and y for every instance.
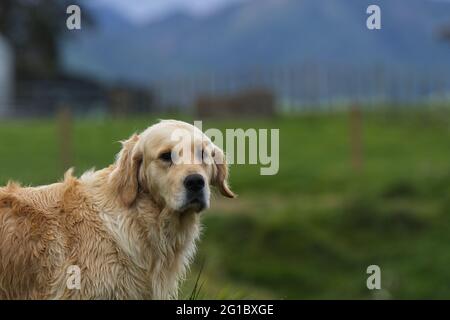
(130, 230)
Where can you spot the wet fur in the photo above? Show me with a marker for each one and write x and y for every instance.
(128, 244)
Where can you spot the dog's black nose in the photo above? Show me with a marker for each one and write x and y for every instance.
(194, 182)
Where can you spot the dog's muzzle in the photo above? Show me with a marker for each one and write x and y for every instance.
(195, 192)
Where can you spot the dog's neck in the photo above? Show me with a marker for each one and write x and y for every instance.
(161, 243)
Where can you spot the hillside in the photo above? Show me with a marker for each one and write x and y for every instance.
(261, 33)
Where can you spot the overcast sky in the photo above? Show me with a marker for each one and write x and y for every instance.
(144, 10)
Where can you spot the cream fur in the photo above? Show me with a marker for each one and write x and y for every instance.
(121, 225)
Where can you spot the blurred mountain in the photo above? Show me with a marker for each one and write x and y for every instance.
(262, 33)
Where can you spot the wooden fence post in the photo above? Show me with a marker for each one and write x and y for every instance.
(65, 128)
(356, 143)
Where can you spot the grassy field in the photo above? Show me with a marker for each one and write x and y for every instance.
(311, 230)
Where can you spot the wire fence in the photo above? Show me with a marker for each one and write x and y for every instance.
(292, 89)
(317, 87)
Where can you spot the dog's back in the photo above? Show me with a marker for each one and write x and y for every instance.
(30, 235)
(46, 230)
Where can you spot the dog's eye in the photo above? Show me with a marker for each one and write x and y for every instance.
(166, 156)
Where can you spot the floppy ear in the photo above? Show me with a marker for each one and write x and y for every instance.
(221, 175)
(124, 177)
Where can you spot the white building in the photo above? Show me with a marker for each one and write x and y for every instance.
(6, 77)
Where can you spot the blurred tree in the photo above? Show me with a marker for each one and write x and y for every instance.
(444, 32)
(34, 29)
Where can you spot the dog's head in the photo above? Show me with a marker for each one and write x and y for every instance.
(175, 163)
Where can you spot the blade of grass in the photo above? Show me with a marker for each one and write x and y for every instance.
(196, 290)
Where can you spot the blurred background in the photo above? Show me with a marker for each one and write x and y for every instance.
(363, 114)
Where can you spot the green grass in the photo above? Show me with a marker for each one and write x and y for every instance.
(311, 230)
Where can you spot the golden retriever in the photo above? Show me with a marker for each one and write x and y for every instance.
(131, 228)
